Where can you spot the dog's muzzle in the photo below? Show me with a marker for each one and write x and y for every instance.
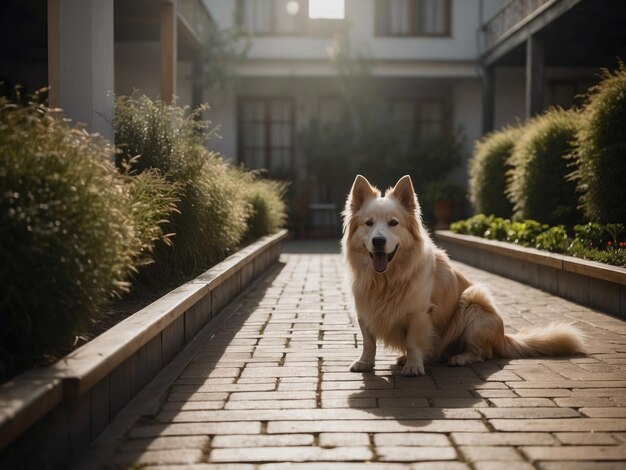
(381, 259)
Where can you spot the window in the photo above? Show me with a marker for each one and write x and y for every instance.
(418, 119)
(270, 17)
(266, 133)
(327, 9)
(413, 17)
(291, 17)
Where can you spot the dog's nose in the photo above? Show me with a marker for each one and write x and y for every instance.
(379, 242)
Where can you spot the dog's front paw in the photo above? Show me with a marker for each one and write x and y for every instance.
(413, 369)
(361, 366)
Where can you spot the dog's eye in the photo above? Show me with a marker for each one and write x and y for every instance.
(393, 222)
(369, 222)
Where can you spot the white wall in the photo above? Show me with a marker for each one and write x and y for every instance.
(461, 46)
(86, 79)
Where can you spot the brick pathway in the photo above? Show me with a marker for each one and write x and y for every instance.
(272, 385)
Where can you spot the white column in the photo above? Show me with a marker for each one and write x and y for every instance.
(169, 48)
(80, 60)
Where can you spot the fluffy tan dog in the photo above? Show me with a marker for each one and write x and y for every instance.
(408, 295)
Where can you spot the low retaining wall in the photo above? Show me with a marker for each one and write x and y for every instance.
(49, 415)
(589, 283)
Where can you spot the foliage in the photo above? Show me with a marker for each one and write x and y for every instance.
(216, 200)
(603, 243)
(223, 49)
(600, 156)
(537, 184)
(554, 239)
(268, 207)
(487, 170)
(444, 191)
(71, 228)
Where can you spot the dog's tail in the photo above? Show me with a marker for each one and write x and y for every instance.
(555, 339)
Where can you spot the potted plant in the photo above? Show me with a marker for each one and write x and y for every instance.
(444, 197)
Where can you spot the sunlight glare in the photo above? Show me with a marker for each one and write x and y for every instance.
(327, 9)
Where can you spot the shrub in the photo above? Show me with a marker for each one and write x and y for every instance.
(538, 186)
(601, 152)
(554, 239)
(476, 225)
(71, 228)
(603, 243)
(268, 207)
(217, 200)
(488, 168)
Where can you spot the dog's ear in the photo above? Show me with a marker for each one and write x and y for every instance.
(403, 191)
(361, 191)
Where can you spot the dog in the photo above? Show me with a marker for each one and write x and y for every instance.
(407, 293)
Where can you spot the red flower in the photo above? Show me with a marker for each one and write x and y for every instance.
(609, 243)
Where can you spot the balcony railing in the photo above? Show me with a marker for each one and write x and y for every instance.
(510, 15)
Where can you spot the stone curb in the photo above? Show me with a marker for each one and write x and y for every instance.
(67, 404)
(588, 283)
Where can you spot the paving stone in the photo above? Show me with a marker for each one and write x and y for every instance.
(503, 439)
(191, 429)
(413, 454)
(581, 465)
(292, 395)
(290, 454)
(499, 465)
(575, 453)
(264, 440)
(170, 456)
(585, 438)
(165, 443)
(335, 466)
(490, 453)
(346, 439)
(439, 466)
(580, 402)
(410, 439)
(270, 404)
(614, 412)
(559, 425)
(521, 402)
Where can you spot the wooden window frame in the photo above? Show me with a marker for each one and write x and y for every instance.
(417, 101)
(267, 100)
(447, 33)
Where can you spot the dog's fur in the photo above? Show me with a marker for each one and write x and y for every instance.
(408, 295)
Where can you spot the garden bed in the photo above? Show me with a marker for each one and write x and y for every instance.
(49, 415)
(585, 282)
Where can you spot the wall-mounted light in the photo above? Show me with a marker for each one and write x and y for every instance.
(293, 7)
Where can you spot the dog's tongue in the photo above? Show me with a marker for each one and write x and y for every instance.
(380, 261)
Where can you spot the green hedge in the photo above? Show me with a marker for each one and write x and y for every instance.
(601, 152)
(214, 208)
(603, 243)
(75, 230)
(487, 170)
(537, 184)
(72, 229)
(269, 211)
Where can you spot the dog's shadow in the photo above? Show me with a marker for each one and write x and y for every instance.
(444, 393)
